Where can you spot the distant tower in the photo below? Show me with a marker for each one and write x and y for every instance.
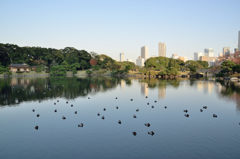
(226, 51)
(162, 49)
(209, 52)
(144, 52)
(121, 57)
(197, 56)
(238, 40)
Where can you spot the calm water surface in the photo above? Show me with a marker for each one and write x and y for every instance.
(175, 136)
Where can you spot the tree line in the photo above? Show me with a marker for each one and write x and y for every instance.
(58, 61)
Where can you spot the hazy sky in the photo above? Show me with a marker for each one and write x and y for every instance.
(111, 26)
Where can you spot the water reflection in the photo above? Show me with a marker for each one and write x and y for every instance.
(16, 90)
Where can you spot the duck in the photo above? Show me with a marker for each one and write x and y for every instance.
(33, 110)
(134, 116)
(38, 115)
(137, 110)
(75, 112)
(104, 109)
(134, 133)
(103, 117)
(147, 124)
(67, 102)
(152, 106)
(55, 110)
(204, 107)
(201, 110)
(187, 115)
(57, 100)
(71, 105)
(146, 97)
(98, 114)
(151, 133)
(36, 127)
(147, 103)
(116, 98)
(185, 110)
(155, 101)
(215, 115)
(80, 125)
(119, 122)
(54, 103)
(88, 97)
(63, 117)
(165, 107)
(117, 107)
(131, 99)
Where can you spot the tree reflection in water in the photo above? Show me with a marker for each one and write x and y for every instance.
(16, 90)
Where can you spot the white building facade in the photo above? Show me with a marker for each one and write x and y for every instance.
(140, 61)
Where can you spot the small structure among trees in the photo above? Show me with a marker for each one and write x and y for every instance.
(19, 68)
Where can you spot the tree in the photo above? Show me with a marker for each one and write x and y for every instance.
(4, 57)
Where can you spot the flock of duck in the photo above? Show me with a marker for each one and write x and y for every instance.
(134, 133)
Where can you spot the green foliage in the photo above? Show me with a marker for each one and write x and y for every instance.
(3, 69)
(58, 70)
(40, 68)
(35, 56)
(193, 66)
(165, 66)
(228, 68)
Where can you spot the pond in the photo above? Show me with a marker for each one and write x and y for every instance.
(115, 118)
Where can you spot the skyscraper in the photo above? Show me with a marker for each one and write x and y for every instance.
(209, 52)
(197, 56)
(226, 51)
(144, 52)
(122, 57)
(238, 40)
(162, 49)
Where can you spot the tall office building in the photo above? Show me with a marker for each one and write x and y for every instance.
(226, 51)
(162, 49)
(122, 57)
(238, 40)
(144, 52)
(197, 55)
(209, 52)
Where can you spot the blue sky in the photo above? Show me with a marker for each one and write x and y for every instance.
(111, 26)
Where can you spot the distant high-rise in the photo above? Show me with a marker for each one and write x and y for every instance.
(197, 55)
(144, 52)
(122, 57)
(140, 61)
(226, 51)
(162, 49)
(238, 40)
(209, 52)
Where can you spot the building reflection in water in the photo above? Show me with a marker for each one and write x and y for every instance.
(161, 92)
(205, 86)
(122, 84)
(144, 89)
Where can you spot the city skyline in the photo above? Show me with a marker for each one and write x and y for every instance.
(111, 27)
